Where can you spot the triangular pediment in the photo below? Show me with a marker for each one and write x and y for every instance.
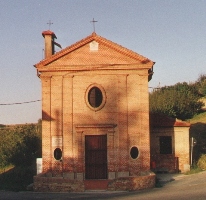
(94, 51)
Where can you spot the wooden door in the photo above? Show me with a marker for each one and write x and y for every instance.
(96, 157)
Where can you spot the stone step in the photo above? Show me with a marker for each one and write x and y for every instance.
(96, 184)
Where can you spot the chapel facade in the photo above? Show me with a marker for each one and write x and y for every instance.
(95, 117)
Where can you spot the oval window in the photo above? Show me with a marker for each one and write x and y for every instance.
(58, 154)
(134, 152)
(95, 97)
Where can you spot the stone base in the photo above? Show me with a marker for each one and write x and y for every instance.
(132, 183)
(57, 184)
(63, 184)
(96, 184)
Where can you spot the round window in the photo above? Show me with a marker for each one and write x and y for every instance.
(58, 154)
(134, 152)
(95, 97)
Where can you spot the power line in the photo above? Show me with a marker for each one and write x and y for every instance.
(17, 103)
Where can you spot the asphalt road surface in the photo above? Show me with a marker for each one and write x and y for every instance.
(183, 187)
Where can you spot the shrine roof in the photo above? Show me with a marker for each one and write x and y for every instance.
(99, 39)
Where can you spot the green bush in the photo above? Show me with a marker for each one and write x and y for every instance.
(202, 162)
(181, 100)
(20, 145)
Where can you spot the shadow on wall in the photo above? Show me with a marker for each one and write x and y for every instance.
(162, 144)
(46, 116)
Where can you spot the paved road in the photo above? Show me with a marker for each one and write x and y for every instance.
(184, 187)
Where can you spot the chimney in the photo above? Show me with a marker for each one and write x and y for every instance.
(49, 42)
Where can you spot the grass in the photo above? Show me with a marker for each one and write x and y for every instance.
(5, 169)
(200, 118)
(193, 170)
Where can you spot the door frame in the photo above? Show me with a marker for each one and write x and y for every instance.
(94, 129)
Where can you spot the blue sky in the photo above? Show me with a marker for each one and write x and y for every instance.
(171, 33)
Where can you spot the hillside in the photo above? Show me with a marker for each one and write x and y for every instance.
(198, 131)
(201, 118)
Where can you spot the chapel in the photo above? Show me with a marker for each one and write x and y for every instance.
(95, 117)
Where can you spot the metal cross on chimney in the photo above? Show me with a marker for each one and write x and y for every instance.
(93, 21)
(50, 23)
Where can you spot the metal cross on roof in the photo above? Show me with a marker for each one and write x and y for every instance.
(93, 21)
(50, 23)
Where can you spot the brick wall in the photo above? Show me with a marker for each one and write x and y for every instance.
(124, 108)
(180, 149)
